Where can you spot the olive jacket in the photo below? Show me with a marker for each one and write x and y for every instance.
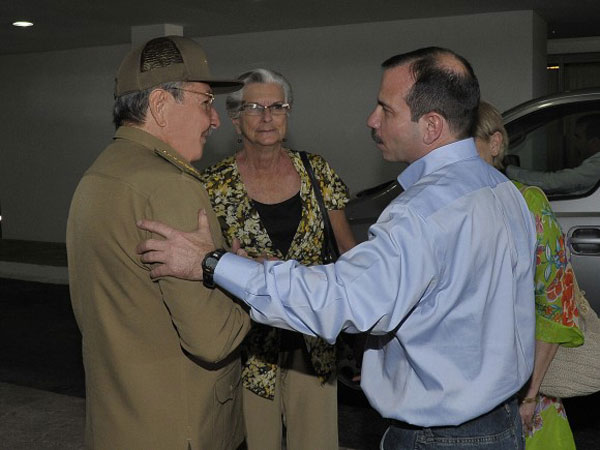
(161, 358)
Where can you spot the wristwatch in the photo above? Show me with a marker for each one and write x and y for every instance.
(209, 263)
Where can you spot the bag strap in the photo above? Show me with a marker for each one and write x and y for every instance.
(579, 295)
(329, 235)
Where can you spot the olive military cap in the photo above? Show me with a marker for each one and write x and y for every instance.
(167, 59)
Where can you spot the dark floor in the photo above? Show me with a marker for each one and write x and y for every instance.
(40, 365)
(40, 348)
(33, 252)
(40, 344)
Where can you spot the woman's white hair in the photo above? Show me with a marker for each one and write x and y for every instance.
(233, 102)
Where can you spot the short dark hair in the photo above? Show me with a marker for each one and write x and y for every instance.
(591, 124)
(131, 108)
(452, 94)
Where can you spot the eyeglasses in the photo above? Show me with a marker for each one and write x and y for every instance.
(207, 103)
(255, 109)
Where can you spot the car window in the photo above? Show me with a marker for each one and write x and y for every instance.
(558, 149)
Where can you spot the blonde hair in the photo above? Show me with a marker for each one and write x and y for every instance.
(489, 121)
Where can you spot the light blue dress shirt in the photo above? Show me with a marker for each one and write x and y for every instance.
(444, 285)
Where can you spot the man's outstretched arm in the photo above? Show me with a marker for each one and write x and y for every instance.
(371, 287)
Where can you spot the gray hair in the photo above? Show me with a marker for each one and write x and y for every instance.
(233, 102)
(131, 108)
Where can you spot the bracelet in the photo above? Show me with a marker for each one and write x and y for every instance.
(529, 400)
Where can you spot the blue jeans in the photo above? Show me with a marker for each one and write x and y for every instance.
(499, 429)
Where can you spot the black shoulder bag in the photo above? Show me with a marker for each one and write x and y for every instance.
(329, 251)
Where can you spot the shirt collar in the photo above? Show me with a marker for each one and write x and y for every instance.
(159, 147)
(436, 159)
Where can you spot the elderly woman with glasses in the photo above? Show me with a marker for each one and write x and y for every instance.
(544, 420)
(263, 196)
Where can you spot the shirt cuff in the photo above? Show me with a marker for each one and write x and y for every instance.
(233, 273)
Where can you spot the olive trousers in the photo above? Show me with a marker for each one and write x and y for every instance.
(305, 406)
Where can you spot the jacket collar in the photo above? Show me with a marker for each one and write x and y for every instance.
(159, 147)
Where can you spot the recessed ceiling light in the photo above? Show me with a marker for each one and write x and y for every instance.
(23, 23)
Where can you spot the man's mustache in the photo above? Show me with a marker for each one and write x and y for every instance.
(375, 137)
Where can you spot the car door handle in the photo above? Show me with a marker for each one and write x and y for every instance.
(584, 240)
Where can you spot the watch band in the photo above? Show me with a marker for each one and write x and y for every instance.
(209, 264)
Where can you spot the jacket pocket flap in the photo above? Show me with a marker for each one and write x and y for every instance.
(228, 384)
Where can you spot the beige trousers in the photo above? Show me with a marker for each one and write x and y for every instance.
(306, 407)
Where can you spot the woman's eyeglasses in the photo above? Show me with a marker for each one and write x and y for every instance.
(256, 109)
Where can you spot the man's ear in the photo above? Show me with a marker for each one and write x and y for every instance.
(495, 143)
(432, 126)
(157, 103)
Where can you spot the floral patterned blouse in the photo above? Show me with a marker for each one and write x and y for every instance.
(554, 295)
(556, 314)
(239, 219)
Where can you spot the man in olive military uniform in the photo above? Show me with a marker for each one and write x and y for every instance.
(161, 361)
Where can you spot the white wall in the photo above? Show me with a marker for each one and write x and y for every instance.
(539, 59)
(57, 105)
(56, 117)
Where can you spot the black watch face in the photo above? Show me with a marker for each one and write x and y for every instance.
(211, 262)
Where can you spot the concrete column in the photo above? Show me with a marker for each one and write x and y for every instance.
(143, 33)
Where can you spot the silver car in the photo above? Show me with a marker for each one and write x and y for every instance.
(543, 138)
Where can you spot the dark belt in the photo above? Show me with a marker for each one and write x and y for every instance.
(408, 426)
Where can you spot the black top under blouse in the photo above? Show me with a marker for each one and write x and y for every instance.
(281, 220)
